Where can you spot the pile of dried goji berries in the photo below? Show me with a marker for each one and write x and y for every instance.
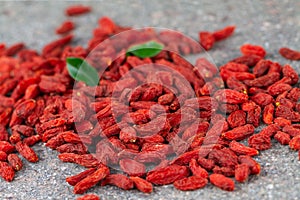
(133, 133)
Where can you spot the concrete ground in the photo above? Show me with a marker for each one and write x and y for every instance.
(270, 23)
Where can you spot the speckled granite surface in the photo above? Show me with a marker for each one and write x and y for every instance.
(270, 23)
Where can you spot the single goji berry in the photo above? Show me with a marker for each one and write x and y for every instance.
(226, 171)
(73, 180)
(132, 167)
(77, 10)
(26, 152)
(295, 143)
(230, 96)
(291, 130)
(89, 197)
(249, 49)
(118, 180)
(239, 133)
(3, 156)
(253, 165)
(288, 71)
(268, 113)
(207, 40)
(15, 162)
(282, 137)
(15, 137)
(242, 149)
(223, 33)
(190, 183)
(262, 67)
(282, 122)
(14, 49)
(6, 171)
(242, 172)
(197, 170)
(141, 184)
(263, 81)
(222, 182)
(65, 27)
(167, 175)
(289, 53)
(260, 142)
(237, 119)
(91, 180)
(6, 147)
(262, 99)
(207, 164)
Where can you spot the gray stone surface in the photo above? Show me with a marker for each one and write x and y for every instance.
(270, 23)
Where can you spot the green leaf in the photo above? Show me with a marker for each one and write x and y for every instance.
(82, 71)
(146, 50)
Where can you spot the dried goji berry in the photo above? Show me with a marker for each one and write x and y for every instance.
(73, 180)
(141, 184)
(288, 71)
(222, 182)
(118, 180)
(282, 122)
(234, 84)
(262, 99)
(268, 113)
(235, 67)
(287, 113)
(91, 180)
(14, 49)
(15, 162)
(260, 142)
(278, 88)
(167, 175)
(223, 33)
(253, 165)
(242, 172)
(207, 164)
(230, 96)
(132, 167)
(249, 49)
(77, 10)
(295, 143)
(253, 116)
(107, 25)
(190, 183)
(224, 157)
(23, 129)
(239, 133)
(249, 60)
(3, 133)
(26, 152)
(15, 137)
(207, 40)
(289, 53)
(86, 160)
(89, 197)
(6, 171)
(226, 171)
(262, 67)
(65, 27)
(237, 119)
(3, 156)
(282, 137)
(197, 170)
(6, 147)
(291, 130)
(263, 81)
(242, 149)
